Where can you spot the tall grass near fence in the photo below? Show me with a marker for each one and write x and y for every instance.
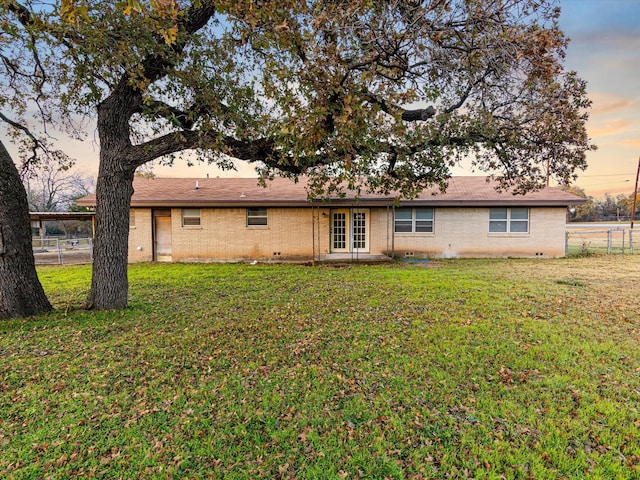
(602, 241)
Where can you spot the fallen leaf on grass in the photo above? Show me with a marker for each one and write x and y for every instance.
(58, 387)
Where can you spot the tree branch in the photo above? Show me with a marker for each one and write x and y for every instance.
(184, 120)
(156, 66)
(420, 114)
(259, 150)
(23, 14)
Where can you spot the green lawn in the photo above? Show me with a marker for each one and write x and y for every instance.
(452, 369)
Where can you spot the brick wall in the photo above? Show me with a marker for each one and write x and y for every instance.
(292, 235)
(140, 237)
(464, 232)
(223, 234)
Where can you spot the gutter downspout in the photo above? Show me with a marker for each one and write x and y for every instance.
(350, 245)
(393, 233)
(387, 230)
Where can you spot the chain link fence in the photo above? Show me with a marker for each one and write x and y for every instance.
(62, 251)
(610, 241)
(59, 251)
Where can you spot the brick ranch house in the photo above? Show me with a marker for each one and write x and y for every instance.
(235, 219)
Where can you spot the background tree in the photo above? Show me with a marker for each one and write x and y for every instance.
(54, 188)
(625, 205)
(584, 212)
(605, 209)
(384, 96)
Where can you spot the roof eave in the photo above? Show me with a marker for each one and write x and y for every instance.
(351, 203)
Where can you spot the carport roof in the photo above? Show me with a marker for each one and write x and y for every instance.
(61, 215)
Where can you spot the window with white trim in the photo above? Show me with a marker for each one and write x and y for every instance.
(256, 217)
(509, 220)
(413, 220)
(190, 217)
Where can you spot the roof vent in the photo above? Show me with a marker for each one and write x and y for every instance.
(197, 185)
(243, 195)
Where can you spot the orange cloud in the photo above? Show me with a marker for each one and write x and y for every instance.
(631, 143)
(608, 103)
(611, 127)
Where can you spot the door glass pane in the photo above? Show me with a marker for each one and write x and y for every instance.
(339, 230)
(359, 230)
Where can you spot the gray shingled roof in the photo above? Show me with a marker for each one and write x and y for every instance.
(242, 192)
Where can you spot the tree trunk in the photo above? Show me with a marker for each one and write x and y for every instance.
(109, 283)
(21, 293)
(114, 188)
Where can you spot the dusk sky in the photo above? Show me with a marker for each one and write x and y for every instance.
(604, 50)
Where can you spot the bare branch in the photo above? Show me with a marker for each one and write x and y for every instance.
(36, 143)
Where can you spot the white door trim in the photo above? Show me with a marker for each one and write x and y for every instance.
(349, 230)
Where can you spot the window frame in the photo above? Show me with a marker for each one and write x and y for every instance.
(509, 220)
(192, 220)
(255, 220)
(416, 224)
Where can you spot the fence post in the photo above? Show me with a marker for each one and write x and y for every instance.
(631, 242)
(59, 251)
(623, 234)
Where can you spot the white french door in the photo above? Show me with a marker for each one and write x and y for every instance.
(350, 230)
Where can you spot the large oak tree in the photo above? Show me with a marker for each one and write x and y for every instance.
(21, 293)
(385, 95)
